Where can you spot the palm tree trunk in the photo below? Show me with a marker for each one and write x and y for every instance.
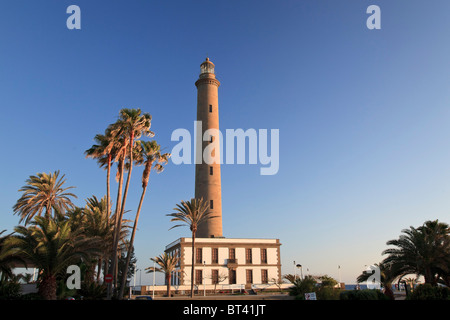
(113, 263)
(388, 291)
(124, 199)
(130, 248)
(99, 269)
(108, 209)
(168, 279)
(429, 278)
(108, 187)
(47, 288)
(193, 260)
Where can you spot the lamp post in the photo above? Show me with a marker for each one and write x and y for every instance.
(153, 294)
(301, 270)
(339, 269)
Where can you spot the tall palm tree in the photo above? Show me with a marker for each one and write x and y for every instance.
(387, 277)
(104, 152)
(42, 193)
(122, 144)
(421, 251)
(51, 246)
(151, 157)
(192, 214)
(166, 264)
(131, 125)
(110, 147)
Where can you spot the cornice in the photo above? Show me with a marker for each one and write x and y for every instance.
(207, 81)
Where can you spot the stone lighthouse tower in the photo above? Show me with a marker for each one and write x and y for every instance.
(207, 168)
(246, 262)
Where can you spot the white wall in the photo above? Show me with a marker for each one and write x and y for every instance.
(223, 251)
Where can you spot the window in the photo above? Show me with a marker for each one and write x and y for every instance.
(210, 171)
(249, 276)
(264, 276)
(215, 276)
(232, 254)
(198, 276)
(174, 278)
(263, 255)
(232, 277)
(210, 108)
(248, 255)
(211, 204)
(199, 255)
(215, 255)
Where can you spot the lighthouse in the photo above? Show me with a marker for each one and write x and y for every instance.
(249, 263)
(207, 168)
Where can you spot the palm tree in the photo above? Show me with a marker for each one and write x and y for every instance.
(51, 246)
(411, 282)
(120, 158)
(167, 264)
(151, 157)
(110, 147)
(131, 125)
(437, 236)
(387, 277)
(421, 251)
(103, 151)
(191, 213)
(98, 223)
(7, 259)
(43, 192)
(302, 286)
(290, 277)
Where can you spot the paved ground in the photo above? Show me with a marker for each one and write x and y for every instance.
(231, 297)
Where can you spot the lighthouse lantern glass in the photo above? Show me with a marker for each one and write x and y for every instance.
(207, 68)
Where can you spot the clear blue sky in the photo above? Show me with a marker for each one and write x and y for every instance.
(363, 114)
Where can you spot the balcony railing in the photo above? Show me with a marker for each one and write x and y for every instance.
(231, 262)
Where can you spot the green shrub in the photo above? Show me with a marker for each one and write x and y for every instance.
(328, 293)
(93, 291)
(9, 290)
(302, 286)
(428, 292)
(366, 294)
(324, 291)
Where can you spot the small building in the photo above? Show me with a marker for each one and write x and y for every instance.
(227, 261)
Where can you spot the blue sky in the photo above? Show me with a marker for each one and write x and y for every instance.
(363, 114)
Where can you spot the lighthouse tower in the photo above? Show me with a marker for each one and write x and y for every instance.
(207, 169)
(246, 262)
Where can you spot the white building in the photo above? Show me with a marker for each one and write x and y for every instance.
(223, 261)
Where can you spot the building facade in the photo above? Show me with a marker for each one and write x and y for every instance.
(227, 261)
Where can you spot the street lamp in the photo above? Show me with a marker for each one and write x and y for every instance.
(153, 294)
(134, 281)
(301, 270)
